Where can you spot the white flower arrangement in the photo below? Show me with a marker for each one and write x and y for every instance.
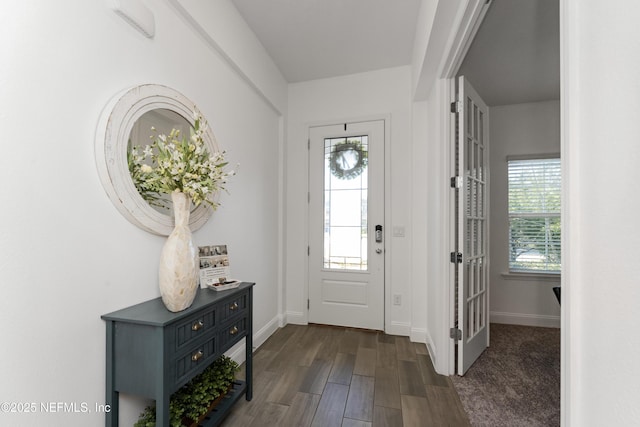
(179, 164)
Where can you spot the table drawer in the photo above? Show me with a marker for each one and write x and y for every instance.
(200, 355)
(233, 307)
(233, 331)
(194, 327)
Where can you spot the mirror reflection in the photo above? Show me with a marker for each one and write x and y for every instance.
(132, 119)
(147, 128)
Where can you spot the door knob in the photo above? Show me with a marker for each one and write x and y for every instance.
(378, 251)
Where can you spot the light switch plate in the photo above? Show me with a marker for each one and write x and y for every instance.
(398, 231)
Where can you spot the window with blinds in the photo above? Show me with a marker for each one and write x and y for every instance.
(534, 215)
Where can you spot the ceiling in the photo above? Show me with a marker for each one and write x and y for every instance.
(314, 39)
(514, 58)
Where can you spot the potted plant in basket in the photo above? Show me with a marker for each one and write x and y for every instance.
(189, 405)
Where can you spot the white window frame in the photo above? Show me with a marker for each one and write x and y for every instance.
(515, 271)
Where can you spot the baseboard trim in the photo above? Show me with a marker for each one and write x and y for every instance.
(540, 320)
(237, 352)
(266, 331)
(418, 335)
(431, 348)
(295, 317)
(399, 328)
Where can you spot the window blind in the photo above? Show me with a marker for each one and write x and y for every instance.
(534, 215)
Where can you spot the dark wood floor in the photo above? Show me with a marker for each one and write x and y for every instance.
(322, 376)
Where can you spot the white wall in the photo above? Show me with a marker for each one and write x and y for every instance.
(437, 193)
(222, 26)
(422, 160)
(601, 153)
(432, 196)
(523, 129)
(421, 40)
(66, 255)
(377, 94)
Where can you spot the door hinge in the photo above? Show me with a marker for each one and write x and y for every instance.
(308, 250)
(308, 197)
(456, 257)
(308, 305)
(456, 182)
(309, 144)
(455, 334)
(455, 107)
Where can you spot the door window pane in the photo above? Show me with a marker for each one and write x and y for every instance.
(345, 201)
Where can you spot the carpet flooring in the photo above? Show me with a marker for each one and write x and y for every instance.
(516, 381)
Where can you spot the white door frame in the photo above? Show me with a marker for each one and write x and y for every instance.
(388, 326)
(347, 297)
(468, 19)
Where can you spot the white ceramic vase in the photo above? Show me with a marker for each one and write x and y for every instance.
(178, 271)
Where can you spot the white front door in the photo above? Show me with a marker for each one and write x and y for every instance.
(472, 225)
(346, 219)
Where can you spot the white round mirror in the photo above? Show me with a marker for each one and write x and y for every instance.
(132, 118)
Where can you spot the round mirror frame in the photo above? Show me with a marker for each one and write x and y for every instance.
(111, 145)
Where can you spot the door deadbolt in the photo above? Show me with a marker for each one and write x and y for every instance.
(378, 233)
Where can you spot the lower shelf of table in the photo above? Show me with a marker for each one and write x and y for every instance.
(218, 413)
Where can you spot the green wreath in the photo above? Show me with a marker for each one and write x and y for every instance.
(347, 160)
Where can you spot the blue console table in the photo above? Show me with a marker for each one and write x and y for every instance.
(152, 352)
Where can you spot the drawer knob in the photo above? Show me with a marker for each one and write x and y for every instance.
(197, 325)
(233, 306)
(197, 356)
(233, 330)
